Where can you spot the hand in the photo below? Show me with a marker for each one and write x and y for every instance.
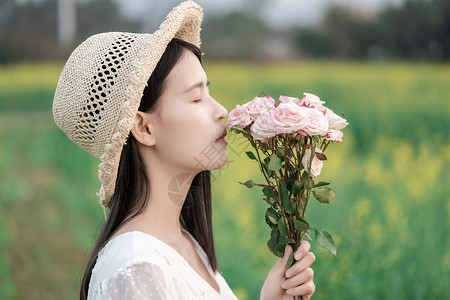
(282, 283)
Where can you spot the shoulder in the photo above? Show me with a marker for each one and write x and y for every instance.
(142, 280)
(130, 248)
(131, 261)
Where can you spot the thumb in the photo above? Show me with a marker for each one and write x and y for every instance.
(281, 263)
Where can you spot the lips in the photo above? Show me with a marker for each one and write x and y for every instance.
(224, 133)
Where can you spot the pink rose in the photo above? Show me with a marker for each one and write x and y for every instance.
(262, 129)
(258, 106)
(286, 99)
(316, 123)
(312, 100)
(335, 121)
(334, 135)
(316, 165)
(288, 118)
(238, 116)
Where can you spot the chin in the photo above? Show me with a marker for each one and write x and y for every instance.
(211, 158)
(222, 161)
(218, 162)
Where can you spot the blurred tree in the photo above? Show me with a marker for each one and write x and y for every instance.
(311, 41)
(419, 29)
(28, 30)
(102, 16)
(235, 35)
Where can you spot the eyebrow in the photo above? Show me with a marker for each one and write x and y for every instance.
(197, 85)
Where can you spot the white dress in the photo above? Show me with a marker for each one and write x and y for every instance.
(136, 265)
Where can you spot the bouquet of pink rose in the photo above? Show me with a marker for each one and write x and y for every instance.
(289, 139)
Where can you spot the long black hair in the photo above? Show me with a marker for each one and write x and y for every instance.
(128, 198)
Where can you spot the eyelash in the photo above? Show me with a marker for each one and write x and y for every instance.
(198, 100)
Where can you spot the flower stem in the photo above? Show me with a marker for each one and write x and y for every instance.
(308, 186)
(268, 182)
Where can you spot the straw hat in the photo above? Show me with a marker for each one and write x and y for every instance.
(101, 86)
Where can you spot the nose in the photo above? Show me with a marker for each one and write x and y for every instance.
(222, 112)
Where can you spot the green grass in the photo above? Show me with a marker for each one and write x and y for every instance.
(389, 220)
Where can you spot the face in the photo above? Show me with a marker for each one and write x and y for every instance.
(188, 121)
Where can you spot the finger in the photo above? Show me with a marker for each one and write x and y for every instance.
(287, 252)
(300, 278)
(306, 289)
(301, 265)
(302, 250)
(281, 263)
(307, 297)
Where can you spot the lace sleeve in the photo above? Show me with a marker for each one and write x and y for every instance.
(139, 281)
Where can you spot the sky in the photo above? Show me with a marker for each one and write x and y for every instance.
(279, 14)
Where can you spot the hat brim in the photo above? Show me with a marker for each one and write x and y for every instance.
(183, 22)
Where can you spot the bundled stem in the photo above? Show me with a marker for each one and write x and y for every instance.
(290, 185)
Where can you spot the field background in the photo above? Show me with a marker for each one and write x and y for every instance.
(390, 219)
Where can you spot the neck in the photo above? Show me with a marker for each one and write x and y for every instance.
(168, 191)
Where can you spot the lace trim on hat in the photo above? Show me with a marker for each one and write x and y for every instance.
(111, 157)
(183, 22)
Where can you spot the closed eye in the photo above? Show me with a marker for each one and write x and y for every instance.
(197, 100)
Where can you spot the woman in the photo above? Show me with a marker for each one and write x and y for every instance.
(140, 103)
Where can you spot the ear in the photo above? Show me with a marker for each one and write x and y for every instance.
(142, 129)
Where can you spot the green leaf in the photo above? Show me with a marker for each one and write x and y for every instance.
(300, 224)
(249, 183)
(269, 200)
(237, 128)
(286, 240)
(291, 208)
(267, 191)
(284, 196)
(304, 178)
(248, 136)
(321, 183)
(324, 195)
(279, 250)
(272, 215)
(275, 163)
(251, 155)
(325, 240)
(298, 187)
(272, 242)
(282, 227)
(290, 260)
(289, 184)
(289, 152)
(280, 151)
(266, 166)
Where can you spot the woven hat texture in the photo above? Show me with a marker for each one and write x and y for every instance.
(102, 83)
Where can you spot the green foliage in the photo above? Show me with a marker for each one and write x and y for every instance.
(346, 34)
(275, 163)
(301, 224)
(250, 155)
(325, 240)
(324, 194)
